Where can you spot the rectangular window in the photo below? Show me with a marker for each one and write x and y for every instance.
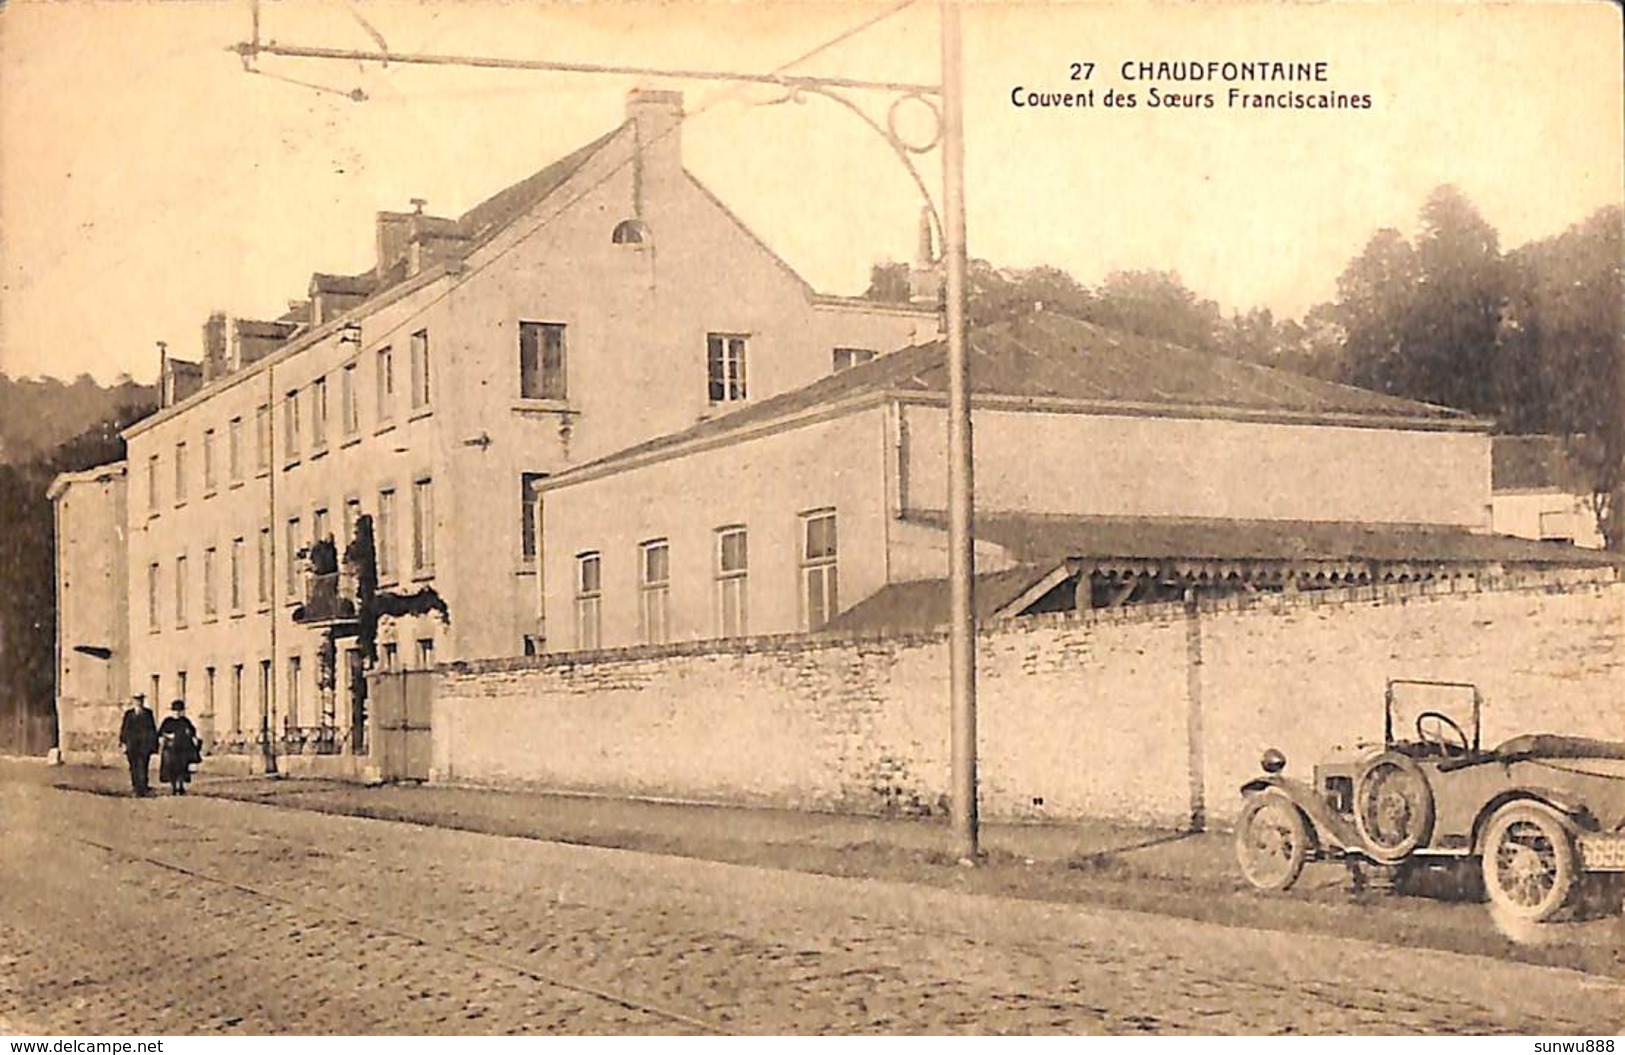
(321, 526)
(725, 365)
(154, 623)
(295, 540)
(425, 653)
(384, 536)
(208, 461)
(180, 473)
(235, 718)
(291, 711)
(290, 423)
(264, 573)
(237, 547)
(348, 404)
(588, 613)
(820, 595)
(847, 358)
(391, 657)
(423, 526)
(264, 710)
(318, 414)
(180, 590)
(386, 383)
(420, 369)
(530, 489)
(654, 591)
(152, 483)
(157, 698)
(234, 449)
(733, 569)
(352, 514)
(262, 437)
(209, 608)
(541, 360)
(180, 684)
(208, 692)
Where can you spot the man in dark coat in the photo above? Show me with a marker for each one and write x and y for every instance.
(138, 735)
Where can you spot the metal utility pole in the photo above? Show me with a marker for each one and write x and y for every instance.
(961, 478)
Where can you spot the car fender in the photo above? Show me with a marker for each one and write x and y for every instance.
(1568, 810)
(1324, 824)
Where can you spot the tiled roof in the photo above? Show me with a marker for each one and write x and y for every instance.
(915, 607)
(1043, 355)
(1530, 462)
(1041, 539)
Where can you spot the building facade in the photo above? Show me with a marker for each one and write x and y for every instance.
(780, 519)
(605, 300)
(92, 631)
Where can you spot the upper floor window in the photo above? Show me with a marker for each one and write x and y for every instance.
(153, 613)
(321, 525)
(180, 473)
(234, 449)
(847, 358)
(385, 383)
(238, 545)
(820, 594)
(348, 402)
(541, 360)
(384, 536)
(588, 595)
(294, 542)
(423, 526)
(152, 483)
(420, 369)
(180, 590)
(725, 366)
(263, 573)
(352, 516)
(262, 437)
(530, 489)
(654, 591)
(733, 570)
(630, 232)
(210, 607)
(208, 461)
(290, 421)
(318, 414)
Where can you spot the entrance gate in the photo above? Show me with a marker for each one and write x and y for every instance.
(400, 704)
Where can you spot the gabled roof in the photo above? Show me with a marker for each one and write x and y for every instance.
(509, 204)
(1042, 356)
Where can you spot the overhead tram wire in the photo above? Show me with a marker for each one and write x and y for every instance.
(716, 99)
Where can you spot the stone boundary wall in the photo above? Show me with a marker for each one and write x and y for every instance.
(1151, 714)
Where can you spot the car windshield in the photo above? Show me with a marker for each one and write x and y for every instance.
(1408, 701)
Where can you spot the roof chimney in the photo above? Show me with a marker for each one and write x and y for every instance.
(924, 278)
(657, 119)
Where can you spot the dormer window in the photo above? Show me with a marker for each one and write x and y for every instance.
(630, 232)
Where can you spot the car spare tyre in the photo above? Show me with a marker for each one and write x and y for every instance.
(1393, 807)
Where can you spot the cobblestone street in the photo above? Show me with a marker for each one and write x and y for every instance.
(201, 915)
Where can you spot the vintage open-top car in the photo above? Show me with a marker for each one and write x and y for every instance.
(1538, 811)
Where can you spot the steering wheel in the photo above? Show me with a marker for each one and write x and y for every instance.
(1436, 734)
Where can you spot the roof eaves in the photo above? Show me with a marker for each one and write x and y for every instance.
(62, 481)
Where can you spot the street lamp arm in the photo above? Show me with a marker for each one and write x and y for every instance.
(893, 140)
(249, 50)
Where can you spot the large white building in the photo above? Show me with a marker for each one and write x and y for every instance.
(605, 300)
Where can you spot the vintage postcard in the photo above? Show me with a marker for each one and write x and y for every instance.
(811, 518)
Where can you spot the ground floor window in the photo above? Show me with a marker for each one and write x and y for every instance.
(654, 591)
(820, 588)
(733, 569)
(588, 614)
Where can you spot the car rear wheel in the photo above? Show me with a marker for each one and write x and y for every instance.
(1529, 862)
(1272, 842)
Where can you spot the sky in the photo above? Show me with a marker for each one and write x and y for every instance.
(146, 179)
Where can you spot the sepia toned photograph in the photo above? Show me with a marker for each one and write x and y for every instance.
(811, 518)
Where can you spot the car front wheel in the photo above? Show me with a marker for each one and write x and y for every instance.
(1529, 862)
(1272, 842)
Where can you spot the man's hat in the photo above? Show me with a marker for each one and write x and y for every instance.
(178, 705)
(138, 698)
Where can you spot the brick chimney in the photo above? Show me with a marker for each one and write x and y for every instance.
(215, 363)
(657, 121)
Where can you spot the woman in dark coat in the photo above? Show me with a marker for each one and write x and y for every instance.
(178, 736)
